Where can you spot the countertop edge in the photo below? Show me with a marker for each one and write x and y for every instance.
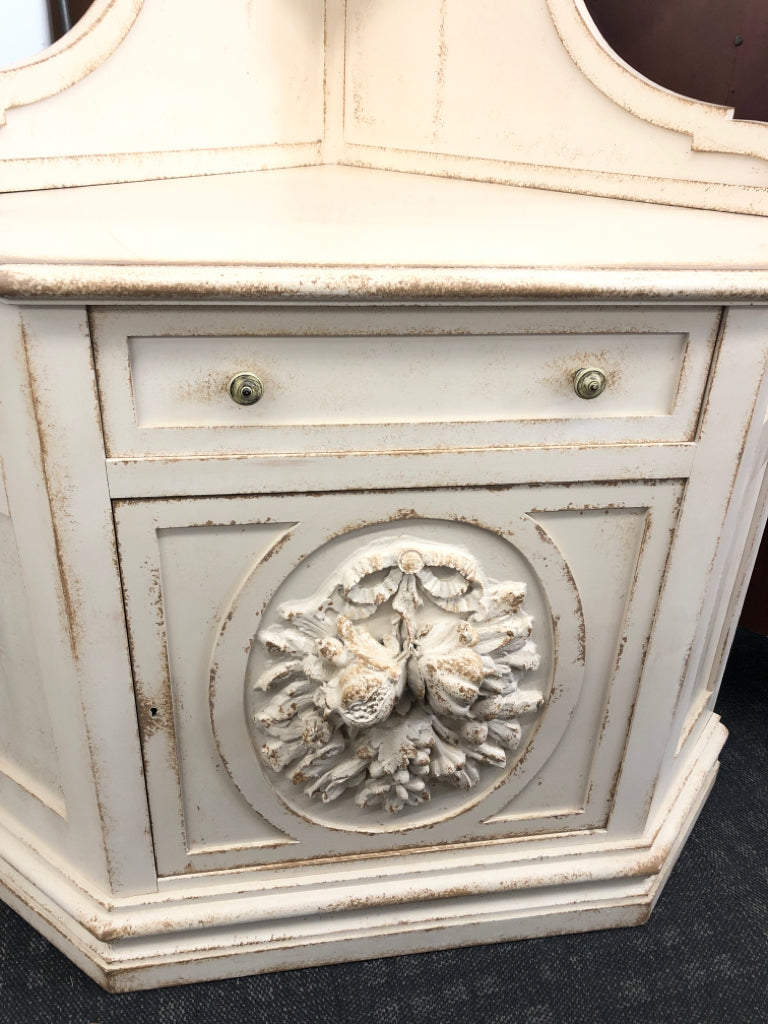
(121, 283)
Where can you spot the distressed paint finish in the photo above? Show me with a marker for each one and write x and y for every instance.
(198, 575)
(442, 88)
(95, 36)
(418, 337)
(521, 366)
(401, 673)
(61, 371)
(338, 914)
(306, 233)
(220, 559)
(107, 132)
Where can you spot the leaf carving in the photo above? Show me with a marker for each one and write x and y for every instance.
(401, 673)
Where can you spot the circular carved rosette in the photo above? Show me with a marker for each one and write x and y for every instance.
(404, 673)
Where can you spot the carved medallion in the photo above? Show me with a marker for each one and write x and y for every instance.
(404, 671)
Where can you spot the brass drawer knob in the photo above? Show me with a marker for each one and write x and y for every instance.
(245, 389)
(589, 382)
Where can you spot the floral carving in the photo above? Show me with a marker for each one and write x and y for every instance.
(401, 673)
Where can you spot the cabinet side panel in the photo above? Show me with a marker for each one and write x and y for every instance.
(28, 754)
(746, 337)
(64, 524)
(721, 500)
(39, 769)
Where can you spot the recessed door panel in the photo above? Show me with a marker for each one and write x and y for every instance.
(350, 673)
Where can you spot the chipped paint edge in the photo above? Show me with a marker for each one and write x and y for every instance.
(116, 283)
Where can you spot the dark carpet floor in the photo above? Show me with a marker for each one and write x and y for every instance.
(701, 959)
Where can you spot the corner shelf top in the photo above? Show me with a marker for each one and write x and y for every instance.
(332, 232)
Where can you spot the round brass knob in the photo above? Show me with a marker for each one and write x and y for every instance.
(589, 382)
(245, 389)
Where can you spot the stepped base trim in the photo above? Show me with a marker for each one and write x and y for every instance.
(204, 934)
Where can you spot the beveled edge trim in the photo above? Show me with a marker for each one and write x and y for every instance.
(116, 283)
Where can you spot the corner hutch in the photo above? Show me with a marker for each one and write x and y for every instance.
(383, 436)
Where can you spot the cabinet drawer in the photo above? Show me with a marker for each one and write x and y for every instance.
(375, 379)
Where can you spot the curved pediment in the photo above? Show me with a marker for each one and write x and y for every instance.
(523, 93)
(87, 45)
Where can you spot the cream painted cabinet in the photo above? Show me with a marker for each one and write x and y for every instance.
(422, 637)
(371, 540)
(431, 393)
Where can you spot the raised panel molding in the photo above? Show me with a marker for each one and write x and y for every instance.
(579, 783)
(184, 562)
(229, 579)
(597, 545)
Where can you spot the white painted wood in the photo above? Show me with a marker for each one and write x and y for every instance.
(686, 607)
(39, 810)
(243, 474)
(27, 752)
(745, 346)
(91, 40)
(62, 389)
(478, 899)
(271, 231)
(458, 85)
(187, 545)
(442, 89)
(710, 126)
(199, 573)
(464, 379)
(72, 120)
(169, 552)
(334, 30)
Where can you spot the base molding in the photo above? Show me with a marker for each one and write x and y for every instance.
(470, 896)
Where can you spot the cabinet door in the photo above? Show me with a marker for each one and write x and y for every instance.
(319, 675)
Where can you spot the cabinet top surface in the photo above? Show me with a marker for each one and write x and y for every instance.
(356, 233)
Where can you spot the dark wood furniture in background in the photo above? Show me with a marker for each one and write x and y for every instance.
(64, 13)
(714, 50)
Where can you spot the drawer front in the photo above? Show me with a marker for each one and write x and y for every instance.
(396, 379)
